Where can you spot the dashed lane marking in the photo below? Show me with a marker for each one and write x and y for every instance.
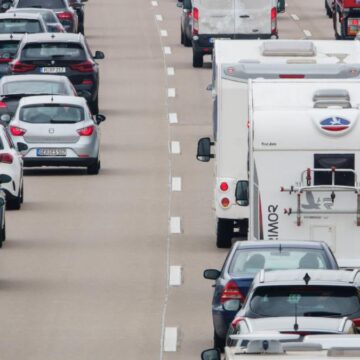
(307, 33)
(295, 17)
(167, 50)
(170, 339)
(173, 118)
(163, 33)
(175, 278)
(176, 183)
(171, 92)
(170, 71)
(175, 225)
(175, 147)
(154, 3)
(158, 17)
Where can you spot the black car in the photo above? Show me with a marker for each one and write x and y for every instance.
(61, 54)
(78, 6)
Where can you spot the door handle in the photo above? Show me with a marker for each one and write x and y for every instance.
(244, 16)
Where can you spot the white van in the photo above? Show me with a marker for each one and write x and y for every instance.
(234, 19)
(235, 63)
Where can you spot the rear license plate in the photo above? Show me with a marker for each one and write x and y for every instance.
(52, 70)
(51, 152)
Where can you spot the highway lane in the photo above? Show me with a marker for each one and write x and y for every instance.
(84, 271)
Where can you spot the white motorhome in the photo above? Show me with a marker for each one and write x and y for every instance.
(233, 19)
(235, 63)
(304, 159)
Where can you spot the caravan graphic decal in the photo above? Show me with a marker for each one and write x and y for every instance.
(335, 124)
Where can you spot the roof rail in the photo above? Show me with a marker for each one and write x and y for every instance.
(354, 274)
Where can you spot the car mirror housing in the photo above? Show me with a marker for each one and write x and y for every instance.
(5, 118)
(204, 150)
(211, 274)
(242, 193)
(100, 118)
(21, 147)
(211, 354)
(99, 55)
(4, 179)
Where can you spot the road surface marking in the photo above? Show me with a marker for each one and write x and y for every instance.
(159, 17)
(175, 276)
(175, 225)
(171, 92)
(170, 71)
(154, 3)
(176, 183)
(167, 50)
(175, 147)
(295, 17)
(307, 33)
(173, 119)
(163, 33)
(170, 339)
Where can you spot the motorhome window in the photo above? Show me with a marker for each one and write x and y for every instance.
(340, 161)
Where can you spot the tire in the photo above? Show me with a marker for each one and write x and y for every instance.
(2, 235)
(198, 60)
(219, 342)
(224, 233)
(22, 193)
(94, 168)
(182, 36)
(335, 22)
(94, 105)
(15, 203)
(187, 41)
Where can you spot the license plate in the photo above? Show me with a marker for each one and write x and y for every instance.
(52, 70)
(51, 152)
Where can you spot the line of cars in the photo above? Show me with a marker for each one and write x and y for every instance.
(302, 278)
(49, 94)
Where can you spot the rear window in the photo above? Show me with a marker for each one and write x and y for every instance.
(53, 51)
(33, 87)
(47, 4)
(251, 261)
(13, 26)
(305, 300)
(51, 114)
(8, 49)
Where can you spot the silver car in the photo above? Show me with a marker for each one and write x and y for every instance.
(57, 131)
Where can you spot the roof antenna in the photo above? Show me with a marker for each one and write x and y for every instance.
(296, 325)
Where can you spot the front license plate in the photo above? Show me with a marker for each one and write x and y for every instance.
(52, 70)
(51, 152)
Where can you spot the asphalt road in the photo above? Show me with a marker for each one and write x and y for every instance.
(84, 273)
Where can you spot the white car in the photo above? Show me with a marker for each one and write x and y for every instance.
(11, 164)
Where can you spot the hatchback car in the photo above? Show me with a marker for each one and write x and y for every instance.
(21, 23)
(9, 44)
(13, 88)
(57, 131)
(52, 22)
(61, 54)
(245, 260)
(66, 14)
(186, 23)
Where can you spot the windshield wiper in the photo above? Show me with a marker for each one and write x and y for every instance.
(321, 313)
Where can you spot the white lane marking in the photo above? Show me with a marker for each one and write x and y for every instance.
(295, 17)
(175, 275)
(163, 33)
(167, 50)
(159, 17)
(154, 3)
(176, 183)
(170, 71)
(171, 92)
(170, 339)
(175, 225)
(173, 119)
(175, 147)
(307, 33)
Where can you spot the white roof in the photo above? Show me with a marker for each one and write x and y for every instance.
(56, 99)
(19, 15)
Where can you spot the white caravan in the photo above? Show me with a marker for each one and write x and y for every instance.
(304, 159)
(235, 63)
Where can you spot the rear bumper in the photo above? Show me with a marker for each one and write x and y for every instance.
(69, 162)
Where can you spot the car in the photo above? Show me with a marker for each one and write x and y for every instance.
(78, 6)
(4, 179)
(57, 130)
(245, 260)
(66, 14)
(61, 54)
(15, 87)
(52, 22)
(15, 23)
(9, 44)
(186, 22)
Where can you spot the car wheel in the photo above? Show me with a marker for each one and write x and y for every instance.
(224, 233)
(187, 41)
(14, 203)
(198, 59)
(2, 235)
(94, 168)
(219, 342)
(94, 105)
(182, 37)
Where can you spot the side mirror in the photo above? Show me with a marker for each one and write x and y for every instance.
(211, 274)
(100, 118)
(5, 118)
(99, 55)
(179, 4)
(22, 147)
(5, 179)
(204, 150)
(211, 354)
(242, 193)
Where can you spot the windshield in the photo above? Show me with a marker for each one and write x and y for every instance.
(48, 4)
(12, 26)
(305, 300)
(51, 113)
(251, 261)
(50, 51)
(33, 87)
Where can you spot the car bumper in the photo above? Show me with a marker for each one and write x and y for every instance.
(68, 162)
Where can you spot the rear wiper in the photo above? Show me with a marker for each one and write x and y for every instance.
(321, 313)
(59, 56)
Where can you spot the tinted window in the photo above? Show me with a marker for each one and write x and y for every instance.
(49, 51)
(8, 49)
(51, 113)
(250, 261)
(187, 4)
(305, 300)
(13, 26)
(47, 4)
(33, 87)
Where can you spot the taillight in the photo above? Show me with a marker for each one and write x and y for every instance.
(195, 15)
(6, 158)
(224, 186)
(236, 321)
(3, 105)
(87, 82)
(273, 20)
(291, 76)
(86, 131)
(356, 322)
(65, 16)
(19, 67)
(225, 202)
(16, 131)
(86, 66)
(353, 26)
(5, 60)
(231, 292)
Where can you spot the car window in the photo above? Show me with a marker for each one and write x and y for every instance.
(306, 300)
(51, 114)
(34, 87)
(8, 49)
(13, 26)
(250, 261)
(50, 51)
(47, 4)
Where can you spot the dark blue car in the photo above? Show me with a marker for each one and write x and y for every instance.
(244, 261)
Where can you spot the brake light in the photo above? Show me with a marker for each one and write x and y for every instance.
(86, 131)
(3, 105)
(86, 66)
(19, 67)
(355, 22)
(225, 202)
(6, 158)
(195, 15)
(5, 60)
(65, 16)
(273, 20)
(236, 321)
(356, 322)
(224, 186)
(291, 76)
(16, 131)
(231, 292)
(87, 82)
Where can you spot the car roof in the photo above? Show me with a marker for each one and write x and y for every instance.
(7, 37)
(57, 99)
(21, 15)
(278, 243)
(34, 77)
(30, 9)
(53, 37)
